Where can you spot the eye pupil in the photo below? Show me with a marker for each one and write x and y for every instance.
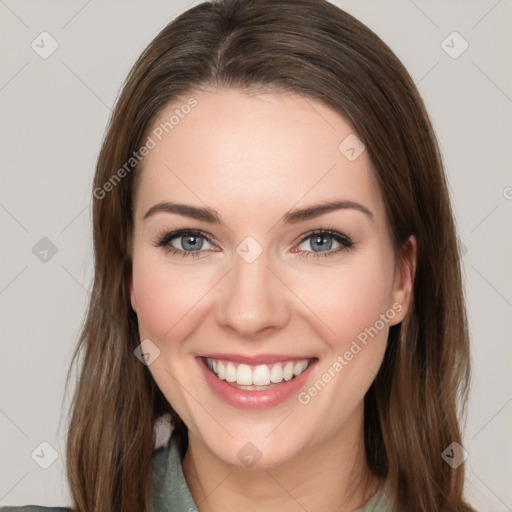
(194, 242)
(321, 242)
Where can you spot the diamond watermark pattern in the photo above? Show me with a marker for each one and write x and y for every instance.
(249, 455)
(44, 455)
(44, 45)
(44, 250)
(351, 147)
(454, 45)
(454, 455)
(463, 249)
(249, 249)
(147, 352)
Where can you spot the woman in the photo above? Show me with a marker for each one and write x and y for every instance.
(276, 269)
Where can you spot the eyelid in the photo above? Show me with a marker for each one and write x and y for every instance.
(333, 232)
(167, 236)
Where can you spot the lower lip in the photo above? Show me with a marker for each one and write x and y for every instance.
(247, 399)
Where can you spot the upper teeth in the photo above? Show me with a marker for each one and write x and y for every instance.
(260, 375)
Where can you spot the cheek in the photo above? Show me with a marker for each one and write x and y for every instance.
(350, 301)
(350, 298)
(165, 296)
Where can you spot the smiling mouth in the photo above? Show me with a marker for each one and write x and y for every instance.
(256, 377)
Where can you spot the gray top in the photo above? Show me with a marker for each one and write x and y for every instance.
(171, 493)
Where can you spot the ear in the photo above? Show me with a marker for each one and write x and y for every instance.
(403, 283)
(132, 294)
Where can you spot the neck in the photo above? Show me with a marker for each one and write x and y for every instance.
(330, 476)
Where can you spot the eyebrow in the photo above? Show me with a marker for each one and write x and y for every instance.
(291, 217)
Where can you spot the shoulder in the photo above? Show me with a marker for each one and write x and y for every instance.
(35, 508)
(159, 462)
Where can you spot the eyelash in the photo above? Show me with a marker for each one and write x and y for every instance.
(345, 241)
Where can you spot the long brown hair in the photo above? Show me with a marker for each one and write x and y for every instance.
(315, 49)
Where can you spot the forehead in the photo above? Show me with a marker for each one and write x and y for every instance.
(254, 152)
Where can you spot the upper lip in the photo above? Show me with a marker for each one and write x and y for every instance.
(256, 359)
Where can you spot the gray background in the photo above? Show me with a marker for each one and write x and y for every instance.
(54, 112)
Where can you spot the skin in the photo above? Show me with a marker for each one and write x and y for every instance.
(253, 158)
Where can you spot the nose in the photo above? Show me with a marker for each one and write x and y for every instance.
(254, 301)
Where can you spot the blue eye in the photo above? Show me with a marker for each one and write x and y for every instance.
(186, 242)
(321, 242)
(189, 243)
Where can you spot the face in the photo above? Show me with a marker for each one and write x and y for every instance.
(293, 308)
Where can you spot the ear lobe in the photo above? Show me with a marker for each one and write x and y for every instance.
(403, 286)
